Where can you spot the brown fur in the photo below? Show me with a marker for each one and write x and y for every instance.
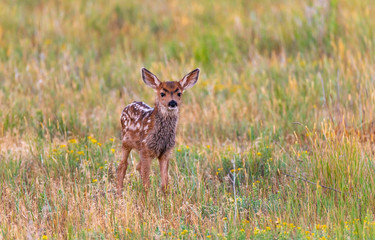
(152, 131)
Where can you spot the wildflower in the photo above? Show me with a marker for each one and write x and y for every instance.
(94, 180)
(129, 230)
(93, 140)
(170, 234)
(63, 146)
(187, 147)
(101, 167)
(81, 153)
(73, 140)
(208, 146)
(220, 169)
(44, 237)
(184, 232)
(209, 236)
(112, 150)
(242, 230)
(232, 171)
(178, 150)
(99, 144)
(89, 137)
(268, 228)
(217, 173)
(259, 153)
(239, 169)
(112, 139)
(225, 218)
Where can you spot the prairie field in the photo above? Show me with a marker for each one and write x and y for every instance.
(275, 141)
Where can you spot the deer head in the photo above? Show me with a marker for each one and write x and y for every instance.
(169, 94)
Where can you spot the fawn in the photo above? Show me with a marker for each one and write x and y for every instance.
(152, 131)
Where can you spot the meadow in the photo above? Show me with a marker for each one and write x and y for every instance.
(275, 141)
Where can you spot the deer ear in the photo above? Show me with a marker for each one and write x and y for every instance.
(190, 79)
(150, 79)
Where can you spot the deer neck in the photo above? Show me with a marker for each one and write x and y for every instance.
(163, 136)
(165, 119)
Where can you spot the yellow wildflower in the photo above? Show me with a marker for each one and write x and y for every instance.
(225, 218)
(73, 140)
(112, 150)
(259, 153)
(44, 237)
(94, 180)
(62, 146)
(129, 230)
(112, 139)
(209, 236)
(93, 140)
(81, 153)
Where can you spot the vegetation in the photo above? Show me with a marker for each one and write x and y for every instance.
(276, 141)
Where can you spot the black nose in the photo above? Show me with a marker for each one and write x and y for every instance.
(172, 104)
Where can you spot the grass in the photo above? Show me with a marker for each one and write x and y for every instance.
(284, 106)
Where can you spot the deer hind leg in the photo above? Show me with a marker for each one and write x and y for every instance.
(139, 167)
(121, 169)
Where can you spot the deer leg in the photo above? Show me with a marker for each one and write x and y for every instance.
(164, 163)
(121, 169)
(139, 167)
(145, 166)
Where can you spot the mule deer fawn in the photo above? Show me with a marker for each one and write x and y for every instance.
(152, 131)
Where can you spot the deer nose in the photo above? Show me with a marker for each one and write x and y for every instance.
(172, 104)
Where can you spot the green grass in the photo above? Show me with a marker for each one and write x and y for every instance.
(284, 103)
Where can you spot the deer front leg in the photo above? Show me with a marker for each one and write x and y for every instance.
(121, 169)
(145, 166)
(164, 163)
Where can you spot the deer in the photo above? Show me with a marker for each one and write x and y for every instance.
(152, 131)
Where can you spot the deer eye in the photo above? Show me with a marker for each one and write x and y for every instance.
(179, 94)
(162, 94)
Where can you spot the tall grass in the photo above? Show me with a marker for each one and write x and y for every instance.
(286, 94)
